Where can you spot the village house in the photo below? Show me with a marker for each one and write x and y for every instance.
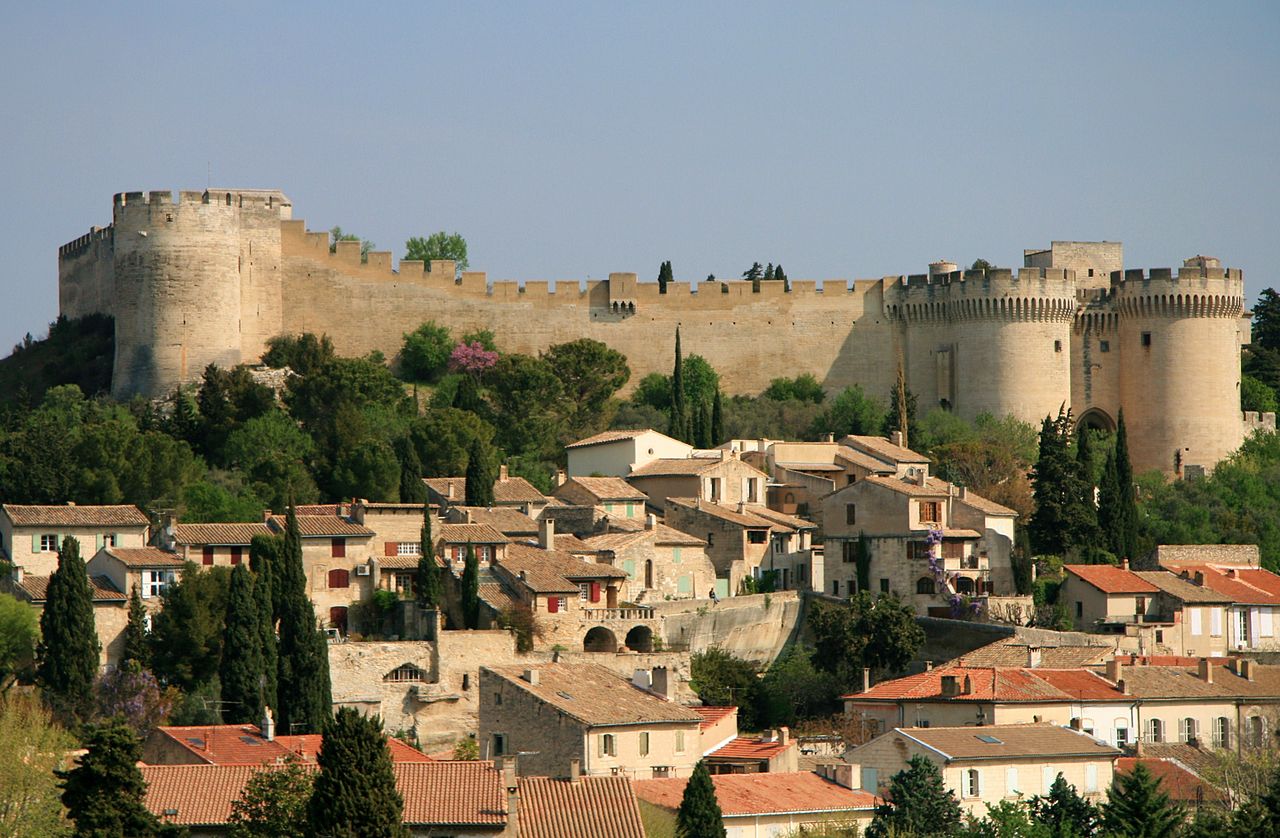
(335, 558)
(617, 453)
(110, 608)
(31, 535)
(212, 544)
(245, 744)
(660, 562)
(510, 492)
(453, 540)
(746, 540)
(612, 494)
(553, 714)
(987, 765)
(718, 478)
(1233, 571)
(512, 523)
(774, 750)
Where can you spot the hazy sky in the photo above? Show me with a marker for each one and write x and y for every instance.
(571, 140)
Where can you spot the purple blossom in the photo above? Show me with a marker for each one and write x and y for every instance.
(471, 358)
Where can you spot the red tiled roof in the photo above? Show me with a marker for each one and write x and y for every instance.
(469, 534)
(219, 534)
(516, 490)
(245, 745)
(1110, 579)
(750, 747)
(36, 588)
(994, 684)
(1176, 780)
(711, 715)
(1243, 585)
(608, 436)
(591, 807)
(744, 795)
(71, 515)
(145, 557)
(195, 795)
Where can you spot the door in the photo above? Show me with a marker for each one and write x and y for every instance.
(648, 573)
(338, 618)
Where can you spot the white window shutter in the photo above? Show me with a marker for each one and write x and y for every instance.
(100, 540)
(1196, 626)
(1266, 624)
(1010, 781)
(1091, 777)
(1215, 622)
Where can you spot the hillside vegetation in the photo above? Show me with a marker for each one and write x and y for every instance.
(78, 352)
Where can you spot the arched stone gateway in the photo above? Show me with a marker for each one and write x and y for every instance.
(1097, 419)
(600, 639)
(640, 639)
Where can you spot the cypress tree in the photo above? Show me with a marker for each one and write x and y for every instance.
(242, 667)
(303, 689)
(264, 551)
(427, 584)
(1267, 805)
(699, 815)
(1137, 807)
(104, 792)
(918, 804)
(781, 276)
(717, 420)
(355, 789)
(702, 426)
(69, 647)
(412, 489)
(1064, 811)
(480, 476)
(1089, 534)
(679, 417)
(471, 589)
(136, 651)
(664, 277)
(1061, 520)
(1122, 516)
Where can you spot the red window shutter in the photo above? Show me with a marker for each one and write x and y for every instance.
(235, 555)
(391, 548)
(207, 557)
(553, 605)
(339, 579)
(339, 548)
(595, 591)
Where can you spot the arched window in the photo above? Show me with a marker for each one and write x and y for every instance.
(924, 585)
(964, 585)
(405, 672)
(1255, 731)
(339, 578)
(1155, 730)
(1188, 729)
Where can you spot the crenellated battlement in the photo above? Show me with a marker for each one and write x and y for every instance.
(241, 198)
(75, 247)
(1190, 292)
(1030, 294)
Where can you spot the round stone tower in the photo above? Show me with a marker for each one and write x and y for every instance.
(1180, 363)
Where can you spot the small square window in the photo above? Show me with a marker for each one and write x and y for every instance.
(1057, 346)
(1104, 346)
(49, 543)
(884, 586)
(1146, 338)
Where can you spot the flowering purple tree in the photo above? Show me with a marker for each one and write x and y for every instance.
(961, 605)
(136, 696)
(472, 359)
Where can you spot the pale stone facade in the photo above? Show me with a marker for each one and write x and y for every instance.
(30, 536)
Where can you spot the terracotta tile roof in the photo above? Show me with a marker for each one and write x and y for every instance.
(1012, 652)
(750, 748)
(592, 807)
(526, 557)
(245, 745)
(569, 543)
(308, 745)
(594, 695)
(1239, 554)
(745, 795)
(72, 515)
(496, 595)
(882, 448)
(675, 467)
(1110, 579)
(864, 460)
(1080, 684)
(1011, 741)
(600, 489)
(745, 518)
(323, 526)
(145, 557)
(318, 509)
(469, 534)
(1180, 588)
(510, 522)
(1185, 682)
(219, 534)
(1176, 780)
(397, 562)
(1245, 586)
(712, 715)
(905, 486)
(536, 575)
(661, 534)
(442, 486)
(1197, 759)
(608, 436)
(794, 522)
(195, 795)
(993, 684)
(516, 490)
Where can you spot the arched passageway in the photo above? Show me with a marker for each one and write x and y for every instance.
(600, 639)
(640, 639)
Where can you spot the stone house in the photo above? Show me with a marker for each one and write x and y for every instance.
(212, 544)
(746, 540)
(512, 523)
(802, 473)
(110, 608)
(335, 558)
(511, 492)
(30, 535)
(985, 766)
(396, 527)
(1235, 572)
(452, 541)
(774, 750)
(563, 712)
(660, 562)
(715, 479)
(612, 494)
(617, 453)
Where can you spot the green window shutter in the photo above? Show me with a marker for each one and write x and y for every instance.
(35, 543)
(684, 585)
(101, 541)
(675, 555)
(630, 567)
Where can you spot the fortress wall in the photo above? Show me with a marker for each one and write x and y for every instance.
(1095, 373)
(86, 274)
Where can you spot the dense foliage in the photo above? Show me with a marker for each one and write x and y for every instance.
(355, 789)
(273, 803)
(916, 803)
(69, 646)
(78, 352)
(103, 793)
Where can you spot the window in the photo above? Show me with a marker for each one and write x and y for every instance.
(409, 548)
(753, 491)
(631, 510)
(924, 585)
(1215, 622)
(482, 552)
(930, 511)
(1197, 625)
(870, 780)
(404, 583)
(679, 741)
(884, 586)
(584, 591)
(1011, 782)
(1047, 776)
(1104, 346)
(497, 699)
(1255, 731)
(1160, 636)
(851, 513)
(405, 672)
(1188, 729)
(1222, 732)
(757, 536)
(644, 743)
(1057, 346)
(972, 783)
(835, 588)
(917, 550)
(849, 551)
(499, 744)
(608, 745)
(237, 553)
(339, 578)
(206, 555)
(1079, 609)
(1091, 778)
(155, 581)
(49, 543)
(953, 550)
(1122, 733)
(339, 548)
(1155, 730)
(715, 488)
(111, 540)
(1146, 339)
(556, 604)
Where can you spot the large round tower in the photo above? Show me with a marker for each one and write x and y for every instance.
(1179, 338)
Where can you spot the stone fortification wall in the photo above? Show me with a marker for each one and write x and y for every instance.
(86, 274)
(755, 627)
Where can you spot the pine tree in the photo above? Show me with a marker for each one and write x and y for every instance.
(699, 815)
(471, 589)
(241, 669)
(717, 421)
(355, 790)
(136, 650)
(104, 793)
(427, 584)
(918, 804)
(1137, 807)
(679, 416)
(263, 553)
(1065, 812)
(69, 647)
(480, 476)
(303, 689)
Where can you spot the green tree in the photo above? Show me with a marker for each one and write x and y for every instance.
(852, 412)
(528, 401)
(304, 353)
(438, 247)
(444, 438)
(412, 489)
(241, 669)
(471, 589)
(222, 498)
(780, 276)
(367, 469)
(702, 426)
(754, 274)
(981, 265)
(1060, 521)
(274, 455)
(717, 420)
(699, 815)
(590, 373)
(700, 380)
(1137, 807)
(722, 679)
(480, 475)
(18, 637)
(355, 789)
(1266, 320)
(428, 584)
(264, 558)
(902, 411)
(302, 684)
(917, 803)
(864, 632)
(678, 429)
(336, 235)
(804, 388)
(424, 355)
(104, 793)
(32, 746)
(273, 803)
(1117, 504)
(1255, 395)
(664, 277)
(69, 648)
(1006, 819)
(1065, 812)
(186, 633)
(136, 649)
(793, 689)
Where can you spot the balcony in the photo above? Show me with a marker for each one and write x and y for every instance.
(633, 613)
(970, 564)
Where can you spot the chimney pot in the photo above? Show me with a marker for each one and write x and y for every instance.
(928, 666)
(1248, 669)
(1033, 656)
(660, 677)
(1114, 669)
(1206, 670)
(547, 533)
(866, 678)
(268, 725)
(575, 770)
(502, 473)
(650, 521)
(1124, 564)
(531, 675)
(560, 477)
(896, 438)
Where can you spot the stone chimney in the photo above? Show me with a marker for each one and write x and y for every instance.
(531, 676)
(829, 438)
(650, 521)
(742, 506)
(547, 533)
(866, 678)
(575, 770)
(928, 666)
(268, 725)
(784, 736)
(450, 489)
(1248, 669)
(503, 475)
(662, 683)
(964, 493)
(560, 477)
(1124, 564)
(1199, 578)
(1033, 656)
(1122, 686)
(896, 438)
(511, 783)
(1115, 670)
(1205, 672)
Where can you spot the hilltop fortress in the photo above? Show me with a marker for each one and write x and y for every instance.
(210, 277)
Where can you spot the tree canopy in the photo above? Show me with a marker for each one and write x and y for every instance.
(436, 247)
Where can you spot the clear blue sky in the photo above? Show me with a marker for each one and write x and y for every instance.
(571, 140)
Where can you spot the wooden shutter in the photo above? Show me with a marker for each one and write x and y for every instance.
(595, 591)
(553, 605)
(339, 548)
(391, 548)
(207, 555)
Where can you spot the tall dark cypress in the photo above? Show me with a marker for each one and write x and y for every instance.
(303, 687)
(427, 584)
(265, 558)
(717, 421)
(412, 489)
(702, 426)
(471, 589)
(69, 647)
(242, 668)
(1126, 517)
(1088, 534)
(104, 792)
(664, 277)
(699, 815)
(679, 414)
(480, 476)
(355, 789)
(137, 653)
(262, 552)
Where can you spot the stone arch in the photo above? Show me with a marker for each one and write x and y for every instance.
(964, 585)
(1096, 418)
(924, 585)
(640, 639)
(600, 639)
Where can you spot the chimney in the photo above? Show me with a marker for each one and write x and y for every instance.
(742, 506)
(661, 680)
(964, 493)
(560, 477)
(1206, 670)
(512, 785)
(640, 678)
(575, 770)
(724, 455)
(1115, 670)
(17, 574)
(531, 675)
(1033, 656)
(1199, 580)
(1248, 669)
(547, 533)
(1124, 564)
(1122, 686)
(1075, 723)
(784, 736)
(1231, 573)
(650, 521)
(866, 678)
(896, 438)
(268, 725)
(928, 666)
(450, 495)
(502, 473)
(829, 438)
